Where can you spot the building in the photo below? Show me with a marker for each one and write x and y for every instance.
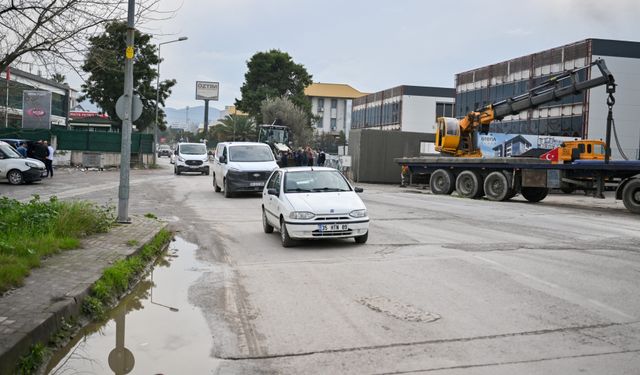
(62, 97)
(579, 116)
(404, 108)
(332, 103)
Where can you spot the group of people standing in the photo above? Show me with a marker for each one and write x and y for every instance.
(40, 150)
(304, 157)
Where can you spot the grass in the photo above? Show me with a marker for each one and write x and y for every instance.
(36, 229)
(30, 362)
(132, 243)
(117, 279)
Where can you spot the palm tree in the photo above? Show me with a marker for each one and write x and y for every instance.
(236, 128)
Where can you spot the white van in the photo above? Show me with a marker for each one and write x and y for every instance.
(191, 157)
(17, 169)
(242, 167)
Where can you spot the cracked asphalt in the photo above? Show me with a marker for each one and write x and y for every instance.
(548, 288)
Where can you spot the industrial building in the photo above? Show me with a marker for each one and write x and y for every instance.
(404, 108)
(579, 116)
(331, 103)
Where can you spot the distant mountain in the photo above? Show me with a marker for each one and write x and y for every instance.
(196, 115)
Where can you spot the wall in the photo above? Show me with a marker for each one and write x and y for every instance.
(626, 110)
(372, 152)
(419, 113)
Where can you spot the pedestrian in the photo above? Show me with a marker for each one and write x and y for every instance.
(284, 159)
(22, 149)
(40, 151)
(321, 158)
(304, 158)
(404, 176)
(48, 163)
(298, 157)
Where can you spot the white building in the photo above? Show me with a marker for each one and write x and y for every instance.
(404, 108)
(331, 103)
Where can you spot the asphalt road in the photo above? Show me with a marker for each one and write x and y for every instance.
(444, 285)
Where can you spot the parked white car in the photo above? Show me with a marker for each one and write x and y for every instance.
(313, 203)
(17, 169)
(242, 167)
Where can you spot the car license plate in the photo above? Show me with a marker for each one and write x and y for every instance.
(332, 227)
(260, 183)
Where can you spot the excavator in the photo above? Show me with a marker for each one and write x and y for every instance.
(458, 138)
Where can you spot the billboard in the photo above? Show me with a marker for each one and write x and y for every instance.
(207, 90)
(507, 145)
(36, 109)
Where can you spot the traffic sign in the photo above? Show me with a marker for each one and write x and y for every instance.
(136, 107)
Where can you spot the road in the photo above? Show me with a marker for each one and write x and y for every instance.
(444, 285)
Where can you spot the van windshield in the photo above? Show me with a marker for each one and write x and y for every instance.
(193, 149)
(250, 153)
(9, 152)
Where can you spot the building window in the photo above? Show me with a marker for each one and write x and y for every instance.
(334, 125)
(445, 110)
(334, 103)
(320, 105)
(319, 123)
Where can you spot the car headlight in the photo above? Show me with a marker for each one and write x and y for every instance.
(358, 213)
(180, 159)
(301, 215)
(233, 170)
(31, 164)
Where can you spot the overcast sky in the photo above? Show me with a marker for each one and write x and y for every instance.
(373, 45)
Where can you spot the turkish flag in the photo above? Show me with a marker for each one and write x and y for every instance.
(552, 155)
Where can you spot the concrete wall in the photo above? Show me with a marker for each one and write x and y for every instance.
(372, 153)
(64, 158)
(626, 110)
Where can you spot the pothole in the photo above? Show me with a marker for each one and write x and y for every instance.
(398, 310)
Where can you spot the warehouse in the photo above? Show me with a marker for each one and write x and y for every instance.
(579, 116)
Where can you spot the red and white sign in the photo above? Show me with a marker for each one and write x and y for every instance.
(76, 114)
(552, 155)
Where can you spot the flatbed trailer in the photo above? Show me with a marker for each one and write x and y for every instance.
(500, 179)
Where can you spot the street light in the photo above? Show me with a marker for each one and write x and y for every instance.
(155, 132)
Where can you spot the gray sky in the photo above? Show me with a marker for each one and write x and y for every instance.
(373, 45)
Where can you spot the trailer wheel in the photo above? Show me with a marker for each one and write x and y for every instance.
(567, 189)
(631, 196)
(534, 194)
(469, 184)
(496, 186)
(441, 182)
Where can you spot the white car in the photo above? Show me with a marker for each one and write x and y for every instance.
(17, 169)
(242, 167)
(191, 157)
(313, 203)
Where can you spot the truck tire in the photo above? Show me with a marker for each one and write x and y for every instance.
(534, 194)
(441, 182)
(496, 187)
(469, 184)
(631, 196)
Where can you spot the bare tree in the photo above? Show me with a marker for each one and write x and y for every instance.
(54, 33)
(290, 115)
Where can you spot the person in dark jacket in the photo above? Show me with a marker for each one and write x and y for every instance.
(40, 151)
(321, 158)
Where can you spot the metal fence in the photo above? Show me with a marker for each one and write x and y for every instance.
(79, 140)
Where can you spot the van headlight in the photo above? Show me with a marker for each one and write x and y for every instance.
(31, 164)
(181, 159)
(358, 213)
(301, 215)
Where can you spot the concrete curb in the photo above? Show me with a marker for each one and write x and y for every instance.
(56, 290)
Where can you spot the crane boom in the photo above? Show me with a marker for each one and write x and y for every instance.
(458, 137)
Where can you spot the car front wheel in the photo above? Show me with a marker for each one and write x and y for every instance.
(15, 177)
(227, 192)
(284, 235)
(363, 238)
(265, 224)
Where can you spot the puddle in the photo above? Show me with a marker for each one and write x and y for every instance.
(154, 330)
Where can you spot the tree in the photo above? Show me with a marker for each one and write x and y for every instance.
(290, 115)
(54, 32)
(105, 65)
(59, 78)
(236, 128)
(273, 74)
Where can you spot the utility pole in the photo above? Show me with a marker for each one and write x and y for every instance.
(125, 149)
(206, 117)
(7, 76)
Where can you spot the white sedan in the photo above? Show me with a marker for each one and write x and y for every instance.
(313, 203)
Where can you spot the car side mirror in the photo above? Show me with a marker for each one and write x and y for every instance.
(272, 192)
(222, 159)
(358, 189)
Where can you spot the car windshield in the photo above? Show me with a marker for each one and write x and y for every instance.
(162, 148)
(9, 152)
(193, 149)
(315, 182)
(250, 153)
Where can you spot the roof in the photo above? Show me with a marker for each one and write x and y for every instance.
(333, 90)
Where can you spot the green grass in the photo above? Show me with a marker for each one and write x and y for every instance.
(30, 362)
(117, 279)
(33, 230)
(132, 243)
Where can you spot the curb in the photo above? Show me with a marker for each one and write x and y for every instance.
(42, 324)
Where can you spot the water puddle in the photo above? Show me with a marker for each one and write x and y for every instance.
(154, 330)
